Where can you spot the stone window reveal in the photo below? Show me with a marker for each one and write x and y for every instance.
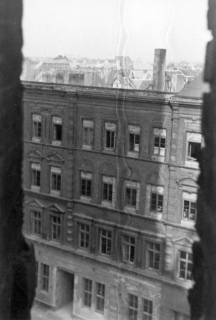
(153, 255)
(110, 136)
(86, 185)
(185, 265)
(88, 134)
(35, 176)
(57, 130)
(36, 127)
(128, 248)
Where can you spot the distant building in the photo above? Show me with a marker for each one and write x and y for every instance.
(110, 199)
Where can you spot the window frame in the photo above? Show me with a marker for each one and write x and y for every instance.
(111, 127)
(107, 240)
(132, 185)
(35, 167)
(35, 222)
(87, 177)
(133, 308)
(158, 191)
(85, 235)
(100, 297)
(55, 227)
(187, 262)
(35, 119)
(134, 130)
(191, 197)
(56, 121)
(44, 277)
(55, 170)
(155, 252)
(108, 180)
(88, 292)
(125, 245)
(160, 133)
(89, 125)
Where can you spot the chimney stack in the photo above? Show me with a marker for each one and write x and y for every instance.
(159, 69)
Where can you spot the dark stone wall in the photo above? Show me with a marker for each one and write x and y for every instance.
(16, 257)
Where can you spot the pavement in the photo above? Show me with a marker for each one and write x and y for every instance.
(42, 312)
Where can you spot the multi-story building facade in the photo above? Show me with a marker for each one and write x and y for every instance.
(110, 199)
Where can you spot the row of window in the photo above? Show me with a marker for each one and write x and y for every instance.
(110, 137)
(128, 243)
(94, 295)
(108, 193)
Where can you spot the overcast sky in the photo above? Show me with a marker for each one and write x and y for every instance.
(106, 28)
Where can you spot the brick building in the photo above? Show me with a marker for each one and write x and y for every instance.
(110, 199)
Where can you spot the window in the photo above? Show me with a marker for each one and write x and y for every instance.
(87, 292)
(35, 176)
(100, 297)
(153, 255)
(105, 241)
(86, 184)
(55, 225)
(55, 180)
(193, 148)
(185, 265)
(189, 207)
(57, 130)
(157, 199)
(147, 309)
(84, 235)
(36, 222)
(88, 134)
(128, 249)
(108, 190)
(132, 194)
(132, 307)
(159, 142)
(44, 277)
(134, 139)
(36, 127)
(110, 136)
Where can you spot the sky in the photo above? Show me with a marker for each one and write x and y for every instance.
(106, 28)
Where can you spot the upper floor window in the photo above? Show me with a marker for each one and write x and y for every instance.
(36, 127)
(185, 265)
(87, 134)
(55, 226)
(132, 190)
(84, 235)
(108, 190)
(157, 198)
(35, 176)
(86, 185)
(153, 255)
(44, 277)
(87, 292)
(147, 311)
(55, 184)
(132, 307)
(128, 248)
(36, 222)
(110, 136)
(105, 241)
(134, 140)
(57, 130)
(159, 142)
(100, 297)
(189, 207)
(193, 149)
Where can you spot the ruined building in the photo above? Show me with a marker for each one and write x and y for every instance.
(110, 199)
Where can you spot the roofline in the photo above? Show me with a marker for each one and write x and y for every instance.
(112, 93)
